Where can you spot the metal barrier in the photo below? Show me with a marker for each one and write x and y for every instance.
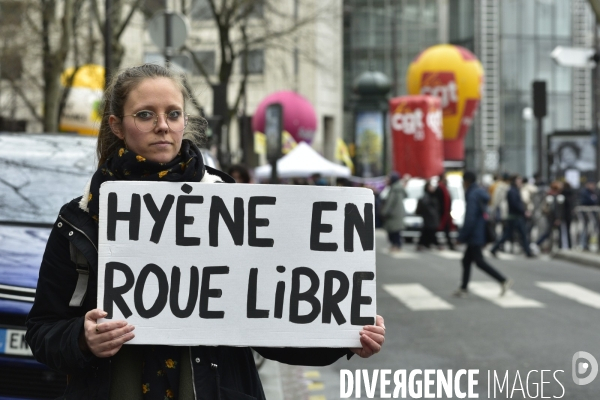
(587, 227)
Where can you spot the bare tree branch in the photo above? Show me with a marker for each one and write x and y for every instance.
(242, 88)
(18, 89)
(96, 14)
(136, 5)
(199, 65)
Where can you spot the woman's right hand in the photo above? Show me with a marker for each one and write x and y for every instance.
(105, 339)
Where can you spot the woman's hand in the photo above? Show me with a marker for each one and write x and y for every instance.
(371, 338)
(105, 339)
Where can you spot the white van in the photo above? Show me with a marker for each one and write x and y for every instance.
(414, 191)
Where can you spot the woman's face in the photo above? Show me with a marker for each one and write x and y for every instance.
(161, 96)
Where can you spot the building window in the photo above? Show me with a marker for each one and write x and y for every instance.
(11, 13)
(201, 10)
(207, 59)
(150, 7)
(255, 62)
(253, 9)
(11, 64)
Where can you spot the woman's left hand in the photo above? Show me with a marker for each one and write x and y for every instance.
(371, 338)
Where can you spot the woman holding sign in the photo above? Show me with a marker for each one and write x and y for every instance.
(141, 138)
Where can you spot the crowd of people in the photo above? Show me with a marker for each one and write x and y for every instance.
(529, 213)
(540, 216)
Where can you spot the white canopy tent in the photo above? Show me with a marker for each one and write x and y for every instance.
(302, 162)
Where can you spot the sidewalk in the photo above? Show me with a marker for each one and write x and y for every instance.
(591, 259)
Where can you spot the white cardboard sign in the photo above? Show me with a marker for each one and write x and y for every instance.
(240, 265)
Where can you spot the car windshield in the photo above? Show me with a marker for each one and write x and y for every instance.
(42, 172)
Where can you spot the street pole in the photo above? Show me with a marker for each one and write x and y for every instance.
(168, 33)
(527, 114)
(168, 42)
(107, 41)
(541, 152)
(596, 102)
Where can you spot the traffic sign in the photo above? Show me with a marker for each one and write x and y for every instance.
(179, 29)
(575, 57)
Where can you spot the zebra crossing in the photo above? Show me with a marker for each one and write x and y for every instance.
(446, 254)
(417, 297)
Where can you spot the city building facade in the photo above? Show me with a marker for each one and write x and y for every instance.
(514, 39)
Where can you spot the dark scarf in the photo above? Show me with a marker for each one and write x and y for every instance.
(125, 165)
(160, 375)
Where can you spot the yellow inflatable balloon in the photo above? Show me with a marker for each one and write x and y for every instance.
(453, 74)
(89, 76)
(82, 109)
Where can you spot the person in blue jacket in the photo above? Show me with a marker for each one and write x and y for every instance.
(472, 234)
(141, 138)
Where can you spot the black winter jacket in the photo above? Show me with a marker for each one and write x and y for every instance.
(515, 203)
(53, 327)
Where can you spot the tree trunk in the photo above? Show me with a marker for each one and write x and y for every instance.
(54, 61)
(52, 92)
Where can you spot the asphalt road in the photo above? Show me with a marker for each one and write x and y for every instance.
(552, 312)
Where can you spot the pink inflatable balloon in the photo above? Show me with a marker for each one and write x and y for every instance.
(299, 117)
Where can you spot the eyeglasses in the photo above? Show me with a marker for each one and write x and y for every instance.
(146, 120)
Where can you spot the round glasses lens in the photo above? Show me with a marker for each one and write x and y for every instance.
(145, 121)
(177, 122)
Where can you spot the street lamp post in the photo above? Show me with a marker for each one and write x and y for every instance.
(595, 4)
(595, 101)
(107, 41)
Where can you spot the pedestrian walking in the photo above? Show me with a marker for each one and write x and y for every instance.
(393, 211)
(499, 203)
(472, 234)
(516, 218)
(553, 209)
(428, 209)
(569, 207)
(528, 193)
(141, 138)
(444, 207)
(588, 198)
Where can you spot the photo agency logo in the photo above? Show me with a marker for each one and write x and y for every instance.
(585, 368)
(467, 383)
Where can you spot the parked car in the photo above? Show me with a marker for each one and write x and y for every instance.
(414, 191)
(40, 172)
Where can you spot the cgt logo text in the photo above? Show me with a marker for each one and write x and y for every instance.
(462, 384)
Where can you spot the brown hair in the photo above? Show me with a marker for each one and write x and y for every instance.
(116, 94)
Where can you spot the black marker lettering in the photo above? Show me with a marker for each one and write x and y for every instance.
(161, 296)
(159, 216)
(251, 310)
(364, 228)
(358, 299)
(309, 296)
(316, 227)
(331, 300)
(206, 292)
(279, 294)
(174, 293)
(115, 294)
(181, 220)
(235, 226)
(254, 222)
(133, 216)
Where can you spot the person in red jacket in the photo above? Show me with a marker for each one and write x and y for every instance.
(445, 205)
